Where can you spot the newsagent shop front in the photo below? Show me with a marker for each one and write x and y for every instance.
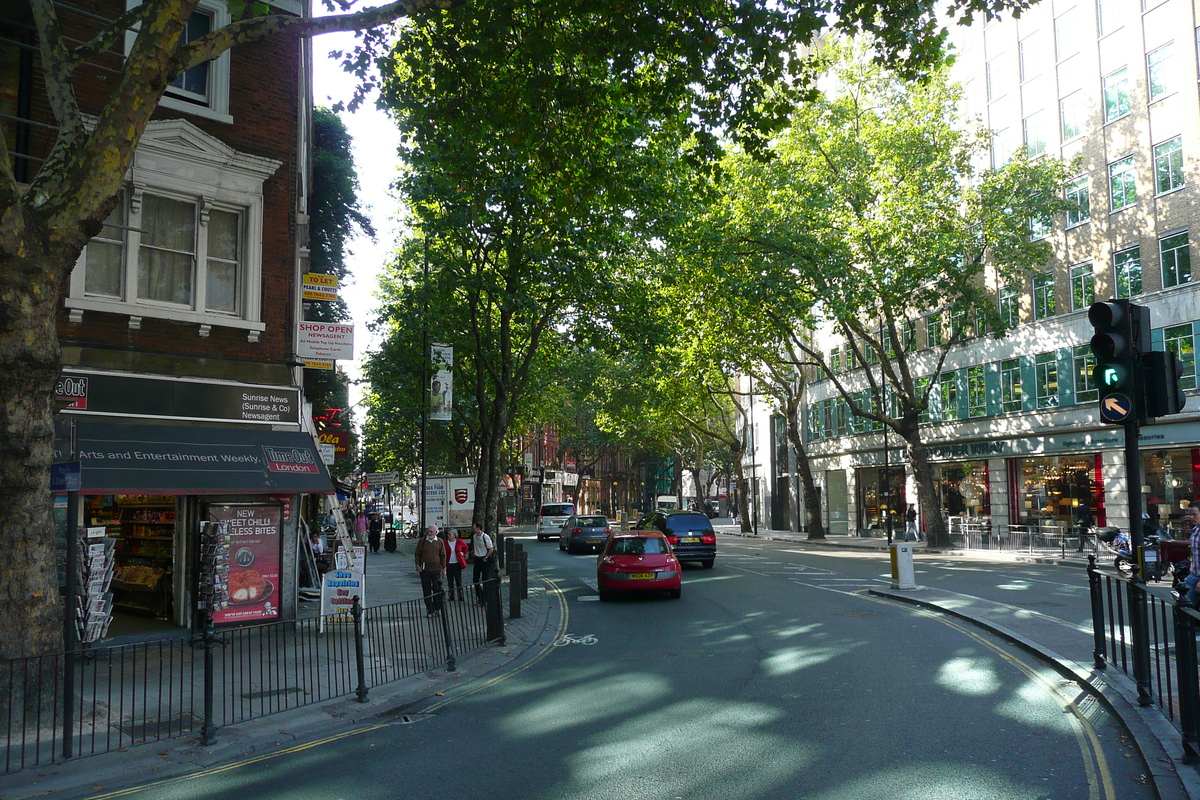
(147, 495)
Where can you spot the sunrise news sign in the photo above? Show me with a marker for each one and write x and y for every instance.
(326, 341)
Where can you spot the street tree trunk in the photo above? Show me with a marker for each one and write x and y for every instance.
(812, 500)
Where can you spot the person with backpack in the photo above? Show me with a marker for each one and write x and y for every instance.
(483, 553)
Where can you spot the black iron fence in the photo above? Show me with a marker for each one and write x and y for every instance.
(109, 698)
(1151, 637)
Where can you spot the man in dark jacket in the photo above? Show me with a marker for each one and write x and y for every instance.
(431, 565)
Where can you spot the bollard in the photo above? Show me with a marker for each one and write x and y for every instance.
(502, 549)
(1139, 626)
(1099, 642)
(902, 566)
(510, 546)
(1189, 691)
(523, 561)
(356, 610)
(494, 618)
(514, 590)
(208, 730)
(444, 616)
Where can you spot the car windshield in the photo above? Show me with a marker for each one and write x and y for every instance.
(558, 510)
(638, 546)
(687, 522)
(591, 522)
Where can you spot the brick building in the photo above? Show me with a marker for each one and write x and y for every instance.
(181, 384)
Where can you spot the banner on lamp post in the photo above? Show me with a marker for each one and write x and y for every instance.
(441, 387)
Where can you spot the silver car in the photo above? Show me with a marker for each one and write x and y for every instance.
(584, 533)
(551, 518)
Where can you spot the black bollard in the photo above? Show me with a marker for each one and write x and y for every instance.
(514, 590)
(523, 561)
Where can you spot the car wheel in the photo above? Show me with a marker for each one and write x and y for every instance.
(675, 594)
(605, 595)
(708, 563)
(561, 546)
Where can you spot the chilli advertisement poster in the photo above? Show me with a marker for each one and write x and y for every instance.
(255, 553)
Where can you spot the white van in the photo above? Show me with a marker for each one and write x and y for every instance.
(551, 518)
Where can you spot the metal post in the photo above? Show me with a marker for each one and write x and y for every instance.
(501, 542)
(494, 619)
(514, 590)
(356, 610)
(1139, 626)
(1189, 690)
(1099, 642)
(70, 634)
(208, 730)
(424, 383)
(445, 618)
(523, 561)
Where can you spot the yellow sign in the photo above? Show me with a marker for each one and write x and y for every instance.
(318, 364)
(320, 287)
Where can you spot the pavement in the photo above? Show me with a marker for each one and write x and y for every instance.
(1068, 649)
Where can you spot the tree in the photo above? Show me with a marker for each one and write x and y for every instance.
(335, 213)
(875, 206)
(718, 52)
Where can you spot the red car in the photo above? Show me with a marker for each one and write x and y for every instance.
(638, 561)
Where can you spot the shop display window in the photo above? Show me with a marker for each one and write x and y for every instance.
(963, 489)
(144, 527)
(1052, 490)
(1169, 485)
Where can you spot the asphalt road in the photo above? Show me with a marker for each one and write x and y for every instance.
(775, 676)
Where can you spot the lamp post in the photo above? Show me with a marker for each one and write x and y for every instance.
(885, 488)
(753, 463)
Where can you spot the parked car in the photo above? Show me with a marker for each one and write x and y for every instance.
(638, 561)
(690, 534)
(581, 532)
(551, 517)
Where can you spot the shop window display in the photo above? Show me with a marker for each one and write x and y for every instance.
(144, 529)
(1169, 485)
(1051, 489)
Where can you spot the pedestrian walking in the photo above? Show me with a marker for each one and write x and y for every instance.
(374, 532)
(431, 565)
(360, 526)
(456, 561)
(910, 524)
(1084, 521)
(483, 554)
(1192, 517)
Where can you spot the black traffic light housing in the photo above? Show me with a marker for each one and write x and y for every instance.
(1122, 334)
(1161, 394)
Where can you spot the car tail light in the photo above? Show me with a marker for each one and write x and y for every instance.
(674, 540)
(709, 539)
(577, 531)
(608, 530)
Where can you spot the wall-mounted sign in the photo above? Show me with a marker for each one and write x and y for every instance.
(125, 396)
(441, 386)
(320, 287)
(310, 363)
(325, 341)
(339, 439)
(328, 453)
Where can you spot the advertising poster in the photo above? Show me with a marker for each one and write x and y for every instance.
(255, 553)
(347, 580)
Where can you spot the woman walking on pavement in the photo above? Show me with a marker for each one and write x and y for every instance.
(456, 561)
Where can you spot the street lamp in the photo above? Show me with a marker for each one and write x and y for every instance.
(885, 488)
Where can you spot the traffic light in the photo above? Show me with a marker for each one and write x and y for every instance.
(1122, 332)
(1161, 394)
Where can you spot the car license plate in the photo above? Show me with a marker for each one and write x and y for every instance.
(595, 541)
(690, 540)
(641, 576)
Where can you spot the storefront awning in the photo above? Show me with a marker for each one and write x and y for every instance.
(116, 458)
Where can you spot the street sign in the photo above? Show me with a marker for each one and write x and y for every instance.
(382, 478)
(1116, 408)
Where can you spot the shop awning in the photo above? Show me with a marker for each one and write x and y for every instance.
(115, 458)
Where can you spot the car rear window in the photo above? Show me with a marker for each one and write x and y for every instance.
(558, 510)
(688, 522)
(638, 546)
(591, 522)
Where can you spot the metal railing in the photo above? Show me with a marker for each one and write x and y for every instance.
(109, 698)
(1151, 637)
(972, 534)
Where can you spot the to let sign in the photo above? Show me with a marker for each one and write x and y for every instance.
(320, 287)
(326, 341)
